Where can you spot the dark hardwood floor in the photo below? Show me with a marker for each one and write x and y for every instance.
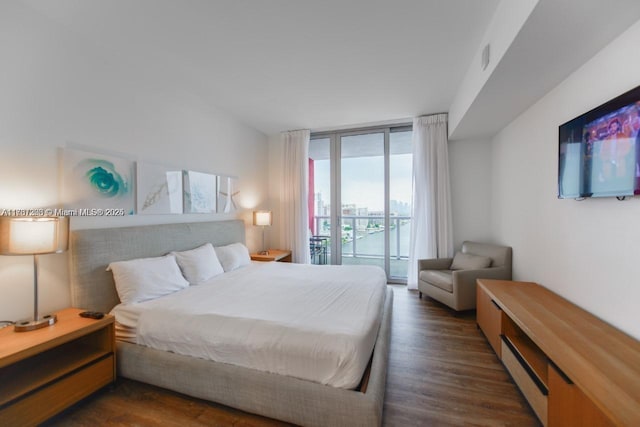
(442, 372)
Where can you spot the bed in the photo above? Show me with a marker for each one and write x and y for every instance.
(288, 398)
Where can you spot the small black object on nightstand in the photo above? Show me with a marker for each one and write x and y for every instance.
(92, 314)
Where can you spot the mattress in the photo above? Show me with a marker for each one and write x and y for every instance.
(317, 323)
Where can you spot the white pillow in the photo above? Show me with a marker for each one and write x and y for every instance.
(463, 261)
(233, 256)
(199, 264)
(147, 278)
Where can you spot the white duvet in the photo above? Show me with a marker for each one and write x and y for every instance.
(316, 323)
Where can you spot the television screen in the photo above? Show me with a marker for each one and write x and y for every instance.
(599, 152)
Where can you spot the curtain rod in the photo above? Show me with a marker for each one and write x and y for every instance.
(373, 127)
(434, 114)
(363, 129)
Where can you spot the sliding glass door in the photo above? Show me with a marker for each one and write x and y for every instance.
(360, 198)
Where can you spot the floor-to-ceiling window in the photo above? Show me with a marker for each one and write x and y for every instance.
(400, 194)
(360, 208)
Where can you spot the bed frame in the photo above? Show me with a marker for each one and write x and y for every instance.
(285, 398)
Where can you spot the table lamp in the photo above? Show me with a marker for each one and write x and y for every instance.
(263, 219)
(34, 236)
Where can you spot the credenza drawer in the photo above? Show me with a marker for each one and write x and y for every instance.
(535, 393)
(489, 318)
(569, 406)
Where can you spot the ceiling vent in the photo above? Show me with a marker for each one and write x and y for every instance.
(485, 57)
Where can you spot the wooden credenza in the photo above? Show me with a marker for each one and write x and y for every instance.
(573, 368)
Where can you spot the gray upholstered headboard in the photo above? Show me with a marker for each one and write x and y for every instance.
(92, 287)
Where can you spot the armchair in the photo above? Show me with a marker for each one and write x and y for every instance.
(452, 281)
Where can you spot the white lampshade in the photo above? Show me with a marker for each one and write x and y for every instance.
(262, 218)
(30, 236)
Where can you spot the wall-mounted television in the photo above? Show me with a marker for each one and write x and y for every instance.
(599, 152)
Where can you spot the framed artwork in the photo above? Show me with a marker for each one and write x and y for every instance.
(98, 181)
(227, 191)
(199, 191)
(159, 189)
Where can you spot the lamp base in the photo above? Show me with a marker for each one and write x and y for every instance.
(31, 325)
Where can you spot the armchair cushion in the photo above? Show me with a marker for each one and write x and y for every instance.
(467, 261)
(440, 278)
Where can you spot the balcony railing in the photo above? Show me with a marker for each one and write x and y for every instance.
(363, 240)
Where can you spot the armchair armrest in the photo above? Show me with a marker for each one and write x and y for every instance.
(469, 277)
(434, 264)
(464, 283)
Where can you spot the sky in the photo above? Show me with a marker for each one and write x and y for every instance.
(363, 180)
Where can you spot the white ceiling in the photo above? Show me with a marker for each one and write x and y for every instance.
(557, 38)
(325, 64)
(290, 64)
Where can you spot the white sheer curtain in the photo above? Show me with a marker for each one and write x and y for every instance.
(294, 212)
(431, 224)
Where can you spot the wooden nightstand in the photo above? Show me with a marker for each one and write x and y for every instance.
(273, 255)
(47, 370)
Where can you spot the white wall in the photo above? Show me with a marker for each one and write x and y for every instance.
(470, 171)
(275, 182)
(58, 88)
(585, 251)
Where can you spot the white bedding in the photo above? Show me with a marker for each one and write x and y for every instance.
(317, 323)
